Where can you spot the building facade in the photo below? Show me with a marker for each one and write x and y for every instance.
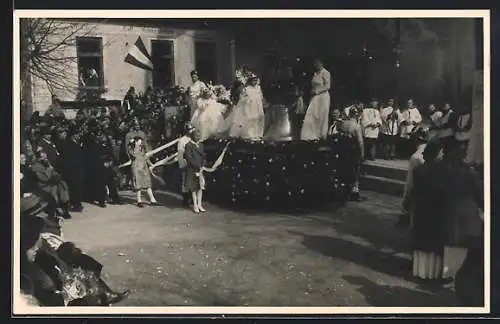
(174, 52)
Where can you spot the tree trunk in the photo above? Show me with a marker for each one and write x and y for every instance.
(25, 86)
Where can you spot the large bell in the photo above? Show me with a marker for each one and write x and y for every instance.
(279, 125)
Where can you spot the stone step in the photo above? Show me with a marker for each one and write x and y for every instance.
(394, 172)
(382, 185)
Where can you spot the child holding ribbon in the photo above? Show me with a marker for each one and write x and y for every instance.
(195, 158)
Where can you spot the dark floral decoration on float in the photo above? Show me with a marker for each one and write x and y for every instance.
(278, 174)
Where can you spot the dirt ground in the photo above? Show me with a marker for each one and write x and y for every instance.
(338, 256)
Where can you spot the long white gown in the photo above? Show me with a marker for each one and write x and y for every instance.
(315, 124)
(247, 118)
(208, 117)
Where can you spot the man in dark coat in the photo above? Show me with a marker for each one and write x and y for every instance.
(109, 162)
(72, 168)
(95, 186)
(48, 146)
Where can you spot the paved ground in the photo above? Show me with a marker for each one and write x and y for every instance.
(349, 256)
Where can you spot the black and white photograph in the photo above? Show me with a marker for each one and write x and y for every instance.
(336, 163)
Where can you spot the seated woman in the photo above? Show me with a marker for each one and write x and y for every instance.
(54, 272)
(28, 178)
(50, 182)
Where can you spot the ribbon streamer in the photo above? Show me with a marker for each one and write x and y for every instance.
(152, 152)
(217, 162)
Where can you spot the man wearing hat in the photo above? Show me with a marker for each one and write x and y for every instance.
(47, 144)
(181, 144)
(42, 250)
(37, 282)
(55, 109)
(51, 183)
(72, 167)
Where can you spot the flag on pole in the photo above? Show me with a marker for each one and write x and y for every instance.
(138, 56)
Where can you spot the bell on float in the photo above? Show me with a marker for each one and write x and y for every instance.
(279, 125)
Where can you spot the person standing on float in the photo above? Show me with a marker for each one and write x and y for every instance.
(194, 92)
(254, 109)
(247, 117)
(315, 124)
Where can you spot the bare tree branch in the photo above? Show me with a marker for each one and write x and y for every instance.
(46, 45)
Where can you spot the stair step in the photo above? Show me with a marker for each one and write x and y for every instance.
(383, 171)
(382, 185)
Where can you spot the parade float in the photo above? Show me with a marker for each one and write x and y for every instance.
(278, 170)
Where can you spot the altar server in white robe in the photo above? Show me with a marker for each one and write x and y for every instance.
(370, 124)
(410, 117)
(389, 130)
(315, 124)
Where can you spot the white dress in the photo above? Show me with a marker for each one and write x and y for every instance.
(208, 117)
(247, 117)
(315, 124)
(194, 94)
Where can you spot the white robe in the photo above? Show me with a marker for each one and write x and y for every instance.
(389, 127)
(410, 116)
(370, 116)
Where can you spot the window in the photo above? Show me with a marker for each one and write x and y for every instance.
(90, 66)
(206, 61)
(162, 54)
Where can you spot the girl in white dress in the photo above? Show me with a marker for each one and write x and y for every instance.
(316, 120)
(209, 116)
(247, 118)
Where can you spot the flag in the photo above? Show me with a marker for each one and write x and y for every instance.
(138, 56)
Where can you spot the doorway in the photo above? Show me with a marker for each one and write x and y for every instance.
(162, 54)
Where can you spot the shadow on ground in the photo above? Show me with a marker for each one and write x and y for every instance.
(365, 256)
(392, 296)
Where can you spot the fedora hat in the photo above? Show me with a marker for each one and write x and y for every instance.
(31, 205)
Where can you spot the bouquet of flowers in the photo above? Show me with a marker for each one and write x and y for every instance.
(78, 284)
(243, 74)
(207, 92)
(222, 94)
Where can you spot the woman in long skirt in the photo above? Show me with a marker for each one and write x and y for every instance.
(427, 220)
(315, 124)
(140, 172)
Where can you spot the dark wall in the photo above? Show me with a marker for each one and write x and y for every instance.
(438, 56)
